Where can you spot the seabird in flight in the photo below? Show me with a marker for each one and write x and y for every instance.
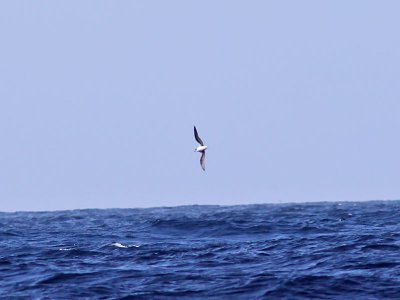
(201, 148)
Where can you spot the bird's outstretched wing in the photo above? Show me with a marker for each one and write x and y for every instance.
(196, 135)
(203, 160)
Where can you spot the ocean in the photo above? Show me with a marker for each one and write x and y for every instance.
(271, 251)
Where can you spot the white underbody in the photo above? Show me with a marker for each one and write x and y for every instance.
(200, 148)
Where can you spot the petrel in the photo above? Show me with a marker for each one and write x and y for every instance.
(201, 148)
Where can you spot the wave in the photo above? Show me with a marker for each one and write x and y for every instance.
(296, 251)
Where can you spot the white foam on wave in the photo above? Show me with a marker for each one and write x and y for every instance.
(119, 245)
(65, 249)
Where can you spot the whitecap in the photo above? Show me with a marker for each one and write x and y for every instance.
(119, 245)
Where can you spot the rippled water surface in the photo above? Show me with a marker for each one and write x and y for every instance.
(285, 251)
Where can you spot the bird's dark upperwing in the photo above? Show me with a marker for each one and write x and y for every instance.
(203, 160)
(196, 135)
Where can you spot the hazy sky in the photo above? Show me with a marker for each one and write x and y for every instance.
(297, 101)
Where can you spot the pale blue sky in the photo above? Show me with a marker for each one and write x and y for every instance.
(297, 101)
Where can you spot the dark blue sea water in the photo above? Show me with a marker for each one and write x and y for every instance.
(282, 251)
